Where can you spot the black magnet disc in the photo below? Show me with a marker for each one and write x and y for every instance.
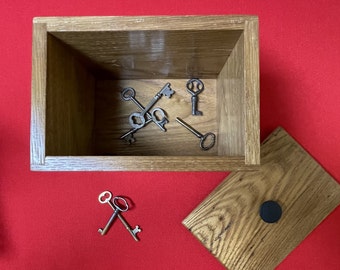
(270, 211)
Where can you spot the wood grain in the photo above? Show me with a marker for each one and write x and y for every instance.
(136, 23)
(69, 102)
(228, 224)
(38, 106)
(251, 99)
(155, 54)
(231, 104)
(141, 163)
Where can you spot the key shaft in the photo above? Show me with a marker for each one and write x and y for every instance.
(203, 138)
(190, 128)
(133, 232)
(165, 89)
(134, 130)
(109, 223)
(194, 102)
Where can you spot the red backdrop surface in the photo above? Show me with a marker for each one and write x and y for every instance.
(50, 220)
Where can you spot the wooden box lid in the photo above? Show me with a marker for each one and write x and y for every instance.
(228, 221)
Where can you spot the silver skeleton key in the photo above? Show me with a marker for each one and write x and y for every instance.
(194, 94)
(130, 94)
(203, 138)
(107, 195)
(137, 120)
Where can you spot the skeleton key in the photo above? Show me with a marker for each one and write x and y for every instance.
(129, 135)
(115, 206)
(203, 138)
(138, 119)
(107, 200)
(130, 94)
(194, 94)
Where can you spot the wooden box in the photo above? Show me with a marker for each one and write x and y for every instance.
(81, 65)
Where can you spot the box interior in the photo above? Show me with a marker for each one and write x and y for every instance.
(86, 72)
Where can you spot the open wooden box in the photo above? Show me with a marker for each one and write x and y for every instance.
(81, 65)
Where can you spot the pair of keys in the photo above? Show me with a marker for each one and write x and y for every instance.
(118, 204)
(138, 120)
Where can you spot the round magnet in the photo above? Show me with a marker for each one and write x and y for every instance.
(270, 211)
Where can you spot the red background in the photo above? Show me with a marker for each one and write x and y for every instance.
(50, 220)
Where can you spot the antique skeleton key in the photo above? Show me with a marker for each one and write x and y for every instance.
(137, 119)
(130, 94)
(128, 136)
(194, 94)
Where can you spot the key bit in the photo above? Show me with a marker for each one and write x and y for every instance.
(167, 90)
(129, 138)
(134, 231)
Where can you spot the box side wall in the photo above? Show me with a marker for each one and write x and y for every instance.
(38, 106)
(155, 54)
(252, 93)
(69, 102)
(230, 104)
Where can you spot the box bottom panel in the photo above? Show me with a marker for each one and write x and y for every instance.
(112, 119)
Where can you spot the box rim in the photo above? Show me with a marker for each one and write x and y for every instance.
(44, 25)
(131, 23)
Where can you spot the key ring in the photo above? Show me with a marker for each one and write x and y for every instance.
(116, 201)
(199, 86)
(204, 138)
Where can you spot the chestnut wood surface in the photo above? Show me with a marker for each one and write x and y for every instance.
(228, 223)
